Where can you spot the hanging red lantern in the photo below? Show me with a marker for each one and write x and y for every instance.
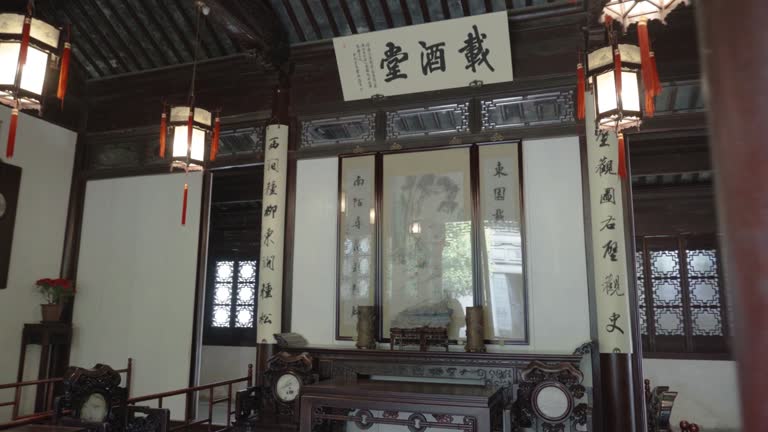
(27, 46)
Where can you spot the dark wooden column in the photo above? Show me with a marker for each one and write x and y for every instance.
(734, 53)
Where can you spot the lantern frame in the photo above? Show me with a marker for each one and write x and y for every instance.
(193, 158)
(44, 39)
(601, 62)
(628, 12)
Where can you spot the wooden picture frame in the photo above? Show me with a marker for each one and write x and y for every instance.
(10, 184)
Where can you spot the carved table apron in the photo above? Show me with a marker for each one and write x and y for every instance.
(419, 406)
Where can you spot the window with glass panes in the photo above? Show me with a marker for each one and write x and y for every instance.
(680, 295)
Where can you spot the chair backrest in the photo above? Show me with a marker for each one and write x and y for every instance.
(92, 398)
(149, 420)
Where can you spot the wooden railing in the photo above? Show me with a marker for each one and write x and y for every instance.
(47, 385)
(189, 394)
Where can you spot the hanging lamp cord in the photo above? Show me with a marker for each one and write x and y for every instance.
(197, 50)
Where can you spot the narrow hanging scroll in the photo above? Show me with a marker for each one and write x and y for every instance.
(609, 248)
(270, 289)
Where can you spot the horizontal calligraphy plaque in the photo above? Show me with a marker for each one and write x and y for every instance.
(426, 57)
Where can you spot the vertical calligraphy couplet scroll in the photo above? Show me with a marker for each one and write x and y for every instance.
(270, 289)
(609, 247)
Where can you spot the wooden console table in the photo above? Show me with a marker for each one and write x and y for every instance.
(418, 406)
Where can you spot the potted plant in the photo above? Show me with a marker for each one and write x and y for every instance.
(54, 291)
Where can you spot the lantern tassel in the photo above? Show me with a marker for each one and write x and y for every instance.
(580, 89)
(12, 133)
(617, 69)
(163, 132)
(646, 68)
(215, 138)
(184, 205)
(655, 76)
(25, 40)
(622, 157)
(64, 74)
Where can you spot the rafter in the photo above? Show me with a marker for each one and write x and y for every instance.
(292, 16)
(367, 13)
(348, 16)
(406, 12)
(387, 14)
(329, 15)
(312, 21)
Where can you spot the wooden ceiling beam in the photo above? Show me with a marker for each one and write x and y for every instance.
(116, 34)
(329, 15)
(169, 55)
(367, 14)
(312, 20)
(159, 28)
(95, 30)
(406, 12)
(294, 20)
(348, 16)
(465, 8)
(253, 24)
(387, 13)
(446, 9)
(488, 6)
(425, 11)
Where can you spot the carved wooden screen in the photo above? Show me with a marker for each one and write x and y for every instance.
(680, 295)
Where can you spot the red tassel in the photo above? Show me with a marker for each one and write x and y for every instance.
(215, 139)
(646, 69)
(622, 158)
(190, 121)
(163, 132)
(12, 133)
(64, 74)
(184, 205)
(580, 89)
(25, 40)
(617, 69)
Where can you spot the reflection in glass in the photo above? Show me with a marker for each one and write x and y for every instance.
(428, 278)
(356, 240)
(502, 242)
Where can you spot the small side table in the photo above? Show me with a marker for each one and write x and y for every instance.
(55, 339)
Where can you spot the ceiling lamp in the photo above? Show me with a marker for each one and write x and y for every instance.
(628, 12)
(191, 126)
(27, 46)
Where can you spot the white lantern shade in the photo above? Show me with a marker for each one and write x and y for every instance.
(44, 40)
(614, 111)
(191, 158)
(628, 12)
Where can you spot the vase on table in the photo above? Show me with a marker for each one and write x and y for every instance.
(366, 327)
(475, 330)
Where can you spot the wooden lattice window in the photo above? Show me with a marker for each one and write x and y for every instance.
(681, 299)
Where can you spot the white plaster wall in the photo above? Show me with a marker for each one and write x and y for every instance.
(708, 392)
(45, 153)
(222, 363)
(556, 259)
(136, 280)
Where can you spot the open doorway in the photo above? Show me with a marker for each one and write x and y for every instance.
(232, 274)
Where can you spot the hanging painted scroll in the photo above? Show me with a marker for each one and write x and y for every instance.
(269, 319)
(608, 240)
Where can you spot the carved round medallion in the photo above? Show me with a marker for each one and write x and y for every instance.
(365, 419)
(551, 401)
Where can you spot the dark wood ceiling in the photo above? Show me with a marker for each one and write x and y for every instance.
(118, 37)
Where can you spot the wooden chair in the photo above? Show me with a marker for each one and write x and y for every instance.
(92, 399)
(659, 403)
